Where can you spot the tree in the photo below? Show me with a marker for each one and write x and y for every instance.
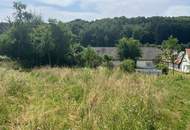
(75, 55)
(129, 48)
(91, 58)
(170, 47)
(16, 40)
(63, 39)
(43, 43)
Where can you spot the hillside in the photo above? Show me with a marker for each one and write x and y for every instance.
(88, 99)
(107, 32)
(152, 30)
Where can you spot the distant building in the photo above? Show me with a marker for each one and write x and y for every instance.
(182, 63)
(146, 61)
(145, 64)
(148, 56)
(109, 51)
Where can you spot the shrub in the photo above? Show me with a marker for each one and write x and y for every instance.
(128, 66)
(164, 68)
(91, 58)
(8, 63)
(108, 62)
(4, 58)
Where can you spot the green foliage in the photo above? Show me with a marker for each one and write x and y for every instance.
(108, 62)
(170, 47)
(4, 114)
(128, 66)
(8, 63)
(107, 32)
(4, 58)
(75, 55)
(171, 44)
(129, 48)
(6, 43)
(163, 67)
(32, 42)
(63, 40)
(91, 58)
(42, 42)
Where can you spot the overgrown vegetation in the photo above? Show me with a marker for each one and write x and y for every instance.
(128, 66)
(89, 99)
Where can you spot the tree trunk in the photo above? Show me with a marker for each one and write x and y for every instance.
(49, 59)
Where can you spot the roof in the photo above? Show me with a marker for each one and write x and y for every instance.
(150, 53)
(110, 51)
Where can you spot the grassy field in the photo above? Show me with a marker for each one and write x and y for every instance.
(86, 99)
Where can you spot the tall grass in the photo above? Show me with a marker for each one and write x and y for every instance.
(87, 99)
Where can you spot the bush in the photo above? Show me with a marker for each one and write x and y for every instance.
(164, 68)
(4, 58)
(91, 58)
(108, 62)
(8, 63)
(128, 66)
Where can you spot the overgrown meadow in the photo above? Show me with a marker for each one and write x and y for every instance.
(92, 99)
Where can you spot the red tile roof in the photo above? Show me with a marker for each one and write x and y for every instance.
(188, 52)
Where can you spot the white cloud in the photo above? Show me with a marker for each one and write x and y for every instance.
(48, 12)
(107, 8)
(179, 10)
(59, 2)
(4, 13)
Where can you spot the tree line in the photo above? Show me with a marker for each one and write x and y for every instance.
(107, 32)
(33, 42)
(153, 30)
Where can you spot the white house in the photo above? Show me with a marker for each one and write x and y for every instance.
(182, 62)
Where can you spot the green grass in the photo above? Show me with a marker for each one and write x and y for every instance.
(87, 99)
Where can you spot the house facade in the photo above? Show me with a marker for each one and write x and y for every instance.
(182, 63)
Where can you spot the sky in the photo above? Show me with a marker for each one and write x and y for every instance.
(67, 10)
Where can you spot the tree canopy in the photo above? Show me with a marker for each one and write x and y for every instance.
(129, 48)
(152, 30)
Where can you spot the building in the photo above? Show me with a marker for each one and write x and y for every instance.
(109, 51)
(145, 64)
(182, 63)
(148, 56)
(146, 61)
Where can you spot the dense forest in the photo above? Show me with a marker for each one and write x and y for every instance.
(154, 30)
(107, 32)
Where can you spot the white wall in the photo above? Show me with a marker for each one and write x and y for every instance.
(145, 64)
(185, 65)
